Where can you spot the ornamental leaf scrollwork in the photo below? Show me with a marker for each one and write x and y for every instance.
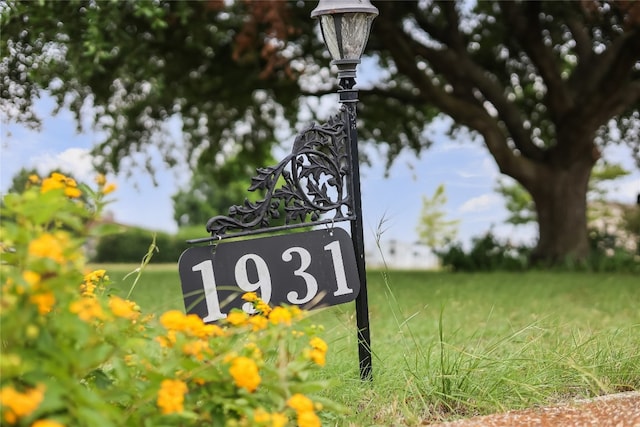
(312, 181)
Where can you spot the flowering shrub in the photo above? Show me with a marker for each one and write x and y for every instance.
(74, 353)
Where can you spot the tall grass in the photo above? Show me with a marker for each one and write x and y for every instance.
(454, 345)
(449, 346)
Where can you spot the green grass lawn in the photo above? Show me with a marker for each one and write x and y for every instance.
(454, 345)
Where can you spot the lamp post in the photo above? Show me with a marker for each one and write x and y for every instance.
(313, 185)
(345, 26)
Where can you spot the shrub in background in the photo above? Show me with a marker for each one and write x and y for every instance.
(607, 255)
(130, 242)
(487, 253)
(76, 354)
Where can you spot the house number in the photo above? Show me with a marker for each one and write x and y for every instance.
(308, 269)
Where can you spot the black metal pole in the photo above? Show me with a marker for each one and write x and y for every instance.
(349, 99)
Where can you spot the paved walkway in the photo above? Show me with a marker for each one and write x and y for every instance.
(616, 410)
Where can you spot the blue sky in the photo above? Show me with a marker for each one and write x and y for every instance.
(465, 168)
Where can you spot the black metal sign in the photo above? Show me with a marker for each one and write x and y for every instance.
(309, 269)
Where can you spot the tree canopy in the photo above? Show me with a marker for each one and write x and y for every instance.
(544, 84)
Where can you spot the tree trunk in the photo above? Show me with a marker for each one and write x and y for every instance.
(560, 196)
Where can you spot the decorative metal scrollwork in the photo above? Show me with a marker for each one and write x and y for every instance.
(312, 181)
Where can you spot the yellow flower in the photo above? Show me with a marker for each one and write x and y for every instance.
(109, 188)
(87, 289)
(123, 308)
(49, 184)
(96, 276)
(196, 349)
(318, 351)
(261, 416)
(171, 396)
(72, 192)
(17, 405)
(263, 307)
(308, 419)
(48, 246)
(173, 320)
(87, 309)
(31, 278)
(71, 189)
(279, 420)
(34, 179)
(44, 301)
(250, 296)
(245, 373)
(300, 403)
(168, 341)
(92, 280)
(212, 331)
(318, 343)
(194, 326)
(237, 318)
(59, 181)
(258, 322)
(318, 357)
(280, 315)
(47, 423)
(100, 179)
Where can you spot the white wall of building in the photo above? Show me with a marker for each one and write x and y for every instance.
(395, 254)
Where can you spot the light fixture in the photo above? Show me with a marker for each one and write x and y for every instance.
(345, 26)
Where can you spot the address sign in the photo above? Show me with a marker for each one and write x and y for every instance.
(308, 269)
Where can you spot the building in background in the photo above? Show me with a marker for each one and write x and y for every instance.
(395, 254)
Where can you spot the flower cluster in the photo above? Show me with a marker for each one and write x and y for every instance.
(20, 404)
(245, 373)
(305, 410)
(103, 186)
(63, 324)
(171, 396)
(58, 181)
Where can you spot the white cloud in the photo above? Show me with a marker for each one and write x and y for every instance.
(481, 203)
(76, 161)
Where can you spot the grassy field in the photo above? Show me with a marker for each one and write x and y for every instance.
(454, 345)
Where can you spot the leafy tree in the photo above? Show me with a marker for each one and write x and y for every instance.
(433, 229)
(614, 223)
(521, 207)
(201, 199)
(20, 181)
(212, 192)
(544, 84)
(215, 66)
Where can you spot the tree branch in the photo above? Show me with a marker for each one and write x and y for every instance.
(528, 32)
(609, 69)
(453, 37)
(464, 75)
(582, 38)
(462, 105)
